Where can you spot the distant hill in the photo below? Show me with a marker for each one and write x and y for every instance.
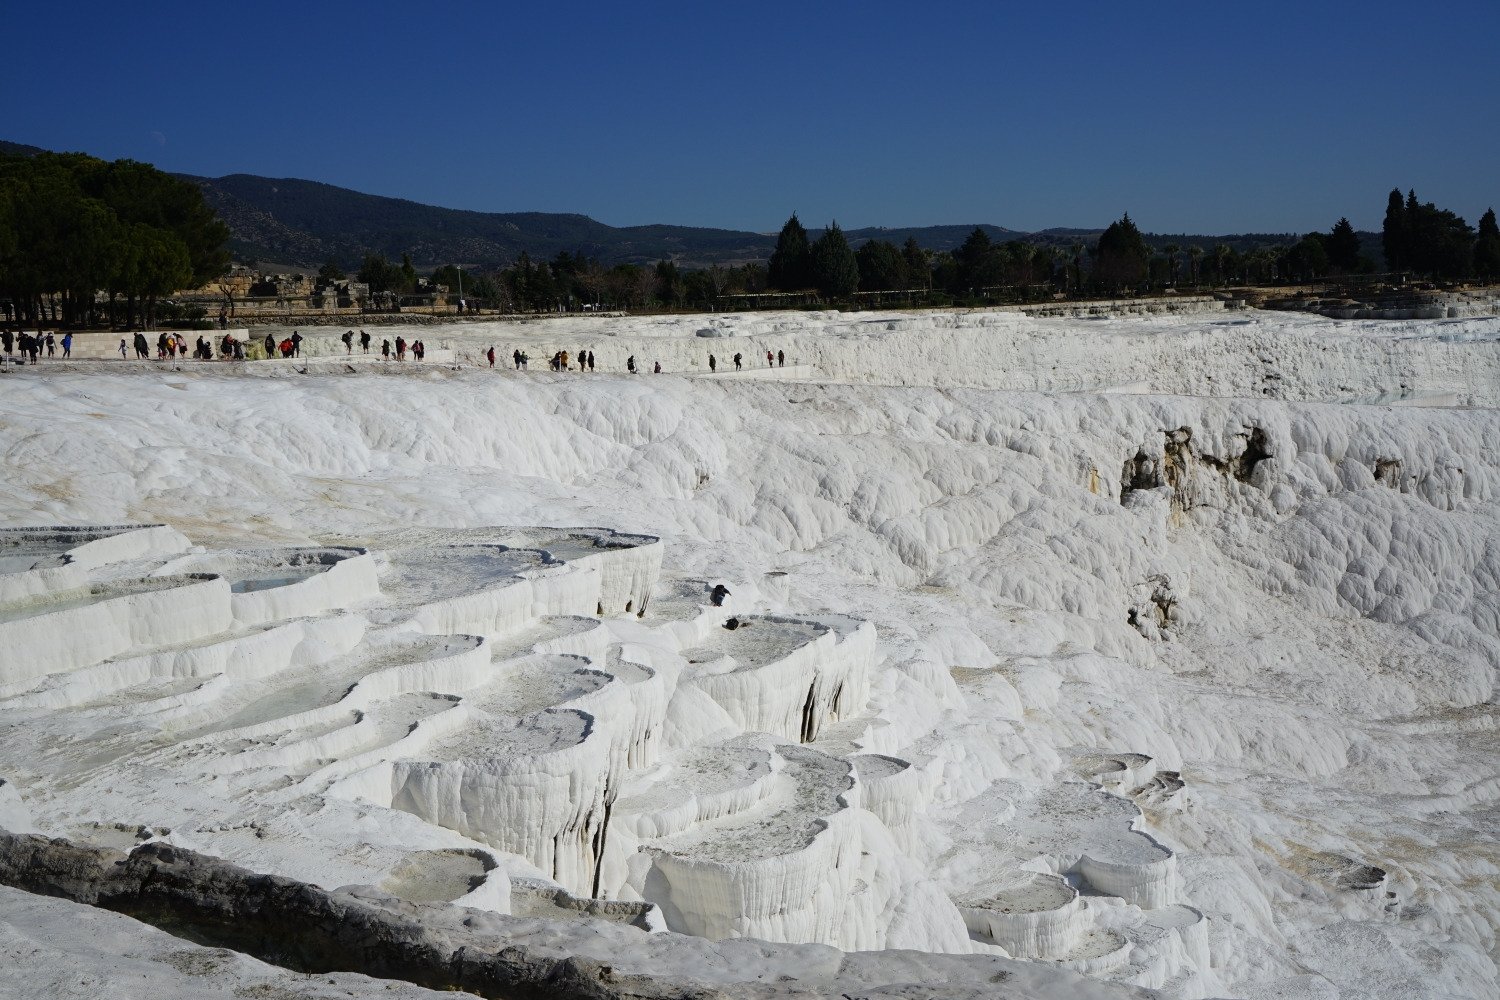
(19, 148)
(300, 224)
(304, 222)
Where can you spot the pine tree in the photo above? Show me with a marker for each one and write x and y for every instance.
(1342, 245)
(790, 266)
(1487, 248)
(1393, 235)
(834, 265)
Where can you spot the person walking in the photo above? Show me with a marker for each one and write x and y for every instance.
(562, 359)
(123, 355)
(270, 347)
(67, 343)
(400, 348)
(491, 355)
(770, 360)
(348, 339)
(658, 368)
(736, 361)
(51, 346)
(296, 344)
(713, 364)
(385, 350)
(7, 340)
(630, 364)
(781, 358)
(525, 361)
(591, 360)
(516, 357)
(364, 341)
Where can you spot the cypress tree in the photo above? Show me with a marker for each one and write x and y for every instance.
(1487, 247)
(834, 265)
(790, 266)
(1393, 234)
(1342, 245)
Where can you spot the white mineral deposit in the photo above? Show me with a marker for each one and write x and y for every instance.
(1037, 657)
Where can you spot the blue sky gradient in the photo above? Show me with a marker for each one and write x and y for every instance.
(1202, 117)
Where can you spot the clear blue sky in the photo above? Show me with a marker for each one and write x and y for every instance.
(1201, 117)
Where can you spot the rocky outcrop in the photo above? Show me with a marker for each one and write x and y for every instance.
(440, 946)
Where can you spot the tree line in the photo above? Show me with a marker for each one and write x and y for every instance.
(85, 241)
(72, 226)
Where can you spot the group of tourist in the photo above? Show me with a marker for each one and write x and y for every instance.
(32, 345)
(173, 345)
(518, 356)
(348, 339)
(416, 347)
(559, 361)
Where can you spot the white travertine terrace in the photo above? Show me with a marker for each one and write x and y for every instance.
(1029, 914)
(693, 759)
(100, 620)
(38, 561)
(1222, 662)
(274, 584)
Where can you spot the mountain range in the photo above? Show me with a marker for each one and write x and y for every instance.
(298, 224)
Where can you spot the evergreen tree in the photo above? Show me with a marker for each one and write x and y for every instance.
(330, 271)
(1434, 241)
(1342, 245)
(918, 268)
(408, 272)
(380, 274)
(1393, 233)
(138, 192)
(834, 266)
(881, 267)
(669, 281)
(977, 263)
(1120, 258)
(1309, 257)
(1487, 248)
(790, 266)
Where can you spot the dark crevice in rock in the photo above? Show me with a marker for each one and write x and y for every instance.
(309, 929)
